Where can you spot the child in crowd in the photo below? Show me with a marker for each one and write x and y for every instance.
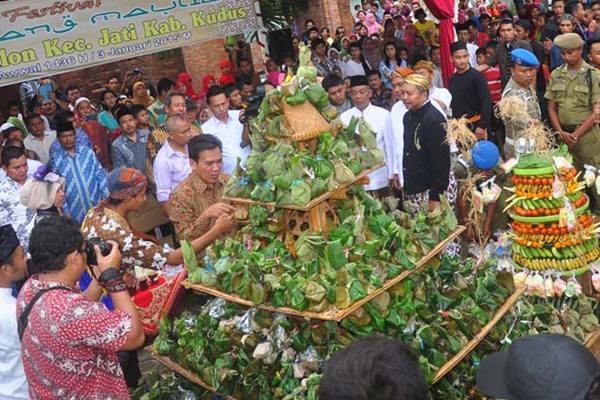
(142, 116)
(193, 116)
(87, 117)
(492, 74)
(14, 110)
(108, 99)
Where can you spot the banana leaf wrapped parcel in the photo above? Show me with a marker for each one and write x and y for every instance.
(368, 248)
(249, 353)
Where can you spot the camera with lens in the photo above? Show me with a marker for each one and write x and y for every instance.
(105, 249)
(254, 101)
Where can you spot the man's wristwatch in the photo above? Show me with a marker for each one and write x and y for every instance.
(111, 280)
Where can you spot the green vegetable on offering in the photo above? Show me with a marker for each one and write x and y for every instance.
(317, 96)
(371, 157)
(318, 187)
(297, 99)
(335, 255)
(283, 181)
(329, 112)
(325, 144)
(314, 292)
(342, 173)
(309, 73)
(368, 137)
(301, 193)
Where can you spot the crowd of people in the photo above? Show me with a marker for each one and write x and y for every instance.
(143, 165)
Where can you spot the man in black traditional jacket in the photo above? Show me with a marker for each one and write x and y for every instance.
(426, 158)
(470, 93)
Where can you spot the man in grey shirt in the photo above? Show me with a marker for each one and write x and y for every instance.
(129, 149)
(336, 89)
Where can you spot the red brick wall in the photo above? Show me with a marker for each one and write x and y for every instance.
(346, 15)
(155, 66)
(203, 58)
(327, 13)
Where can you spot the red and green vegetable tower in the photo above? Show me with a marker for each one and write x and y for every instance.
(553, 229)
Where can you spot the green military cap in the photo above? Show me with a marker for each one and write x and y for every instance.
(568, 41)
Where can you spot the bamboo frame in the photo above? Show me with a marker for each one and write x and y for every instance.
(453, 362)
(314, 202)
(173, 366)
(332, 314)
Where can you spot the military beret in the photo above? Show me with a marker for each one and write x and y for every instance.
(485, 155)
(524, 57)
(568, 41)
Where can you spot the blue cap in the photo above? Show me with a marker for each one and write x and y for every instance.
(485, 154)
(524, 57)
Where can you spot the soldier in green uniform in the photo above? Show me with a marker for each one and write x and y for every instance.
(523, 72)
(573, 91)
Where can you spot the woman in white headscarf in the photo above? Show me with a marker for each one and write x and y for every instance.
(45, 193)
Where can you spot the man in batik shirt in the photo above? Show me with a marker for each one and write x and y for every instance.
(12, 212)
(196, 203)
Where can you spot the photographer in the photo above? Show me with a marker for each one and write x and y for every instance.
(62, 327)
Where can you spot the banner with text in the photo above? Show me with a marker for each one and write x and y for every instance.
(42, 37)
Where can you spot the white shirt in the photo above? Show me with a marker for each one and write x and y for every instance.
(394, 136)
(443, 95)
(41, 147)
(13, 383)
(170, 169)
(46, 122)
(352, 68)
(472, 49)
(230, 135)
(437, 95)
(438, 81)
(376, 117)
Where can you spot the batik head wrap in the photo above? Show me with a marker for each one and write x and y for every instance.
(424, 64)
(403, 71)
(125, 183)
(417, 80)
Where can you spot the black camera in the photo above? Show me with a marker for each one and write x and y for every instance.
(254, 101)
(105, 249)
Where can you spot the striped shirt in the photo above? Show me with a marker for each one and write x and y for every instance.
(85, 180)
(492, 75)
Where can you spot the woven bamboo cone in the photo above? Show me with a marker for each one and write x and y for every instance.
(304, 120)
